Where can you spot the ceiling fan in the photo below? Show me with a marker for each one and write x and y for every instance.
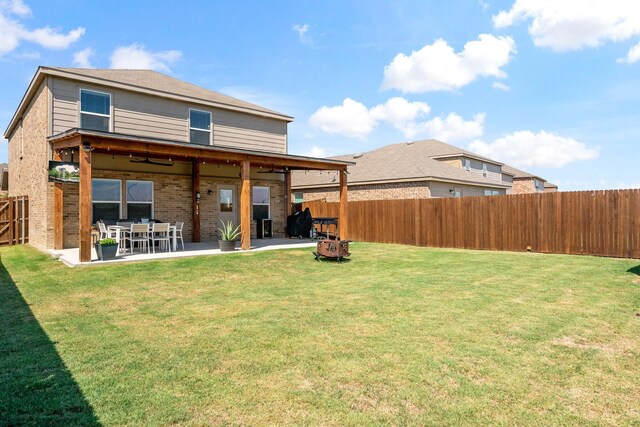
(148, 161)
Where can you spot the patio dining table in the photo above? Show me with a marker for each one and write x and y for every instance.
(120, 229)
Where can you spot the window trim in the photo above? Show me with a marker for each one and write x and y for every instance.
(467, 165)
(80, 112)
(93, 200)
(296, 198)
(153, 196)
(484, 169)
(210, 130)
(268, 204)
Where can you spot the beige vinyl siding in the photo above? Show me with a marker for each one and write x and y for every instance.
(233, 129)
(494, 172)
(442, 189)
(156, 117)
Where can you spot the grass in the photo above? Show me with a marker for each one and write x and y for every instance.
(399, 335)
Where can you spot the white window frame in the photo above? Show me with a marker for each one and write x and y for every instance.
(467, 164)
(538, 184)
(457, 192)
(119, 181)
(484, 169)
(80, 112)
(253, 202)
(491, 192)
(202, 130)
(152, 202)
(295, 197)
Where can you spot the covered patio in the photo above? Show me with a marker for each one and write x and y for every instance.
(84, 146)
(71, 256)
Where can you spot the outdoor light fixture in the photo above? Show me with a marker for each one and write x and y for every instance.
(197, 197)
(210, 192)
(451, 190)
(86, 146)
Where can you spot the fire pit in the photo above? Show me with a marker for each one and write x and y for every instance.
(332, 249)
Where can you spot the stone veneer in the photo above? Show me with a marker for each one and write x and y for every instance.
(28, 173)
(173, 202)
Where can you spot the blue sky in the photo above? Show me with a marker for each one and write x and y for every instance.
(552, 87)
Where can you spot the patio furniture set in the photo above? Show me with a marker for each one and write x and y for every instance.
(143, 235)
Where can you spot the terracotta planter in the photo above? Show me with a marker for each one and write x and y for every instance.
(107, 252)
(227, 245)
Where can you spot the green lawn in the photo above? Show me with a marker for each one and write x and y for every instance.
(398, 335)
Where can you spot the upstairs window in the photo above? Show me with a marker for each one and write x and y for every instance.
(484, 169)
(200, 127)
(95, 110)
(467, 164)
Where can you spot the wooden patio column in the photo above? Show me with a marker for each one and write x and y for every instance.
(85, 204)
(287, 197)
(195, 184)
(245, 204)
(58, 226)
(343, 221)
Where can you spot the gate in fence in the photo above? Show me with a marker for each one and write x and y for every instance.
(14, 220)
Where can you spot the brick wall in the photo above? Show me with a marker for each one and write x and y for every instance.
(173, 202)
(523, 186)
(403, 190)
(28, 173)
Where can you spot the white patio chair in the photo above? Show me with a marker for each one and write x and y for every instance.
(179, 227)
(160, 234)
(139, 233)
(104, 232)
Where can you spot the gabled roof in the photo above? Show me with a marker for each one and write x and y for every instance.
(148, 82)
(402, 162)
(517, 173)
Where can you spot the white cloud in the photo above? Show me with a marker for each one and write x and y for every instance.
(316, 151)
(302, 31)
(355, 120)
(135, 56)
(501, 86)
(542, 149)
(13, 32)
(438, 67)
(16, 7)
(401, 114)
(633, 55)
(574, 24)
(52, 39)
(483, 4)
(454, 128)
(81, 58)
(351, 119)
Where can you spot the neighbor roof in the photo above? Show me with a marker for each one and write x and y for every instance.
(144, 81)
(517, 173)
(399, 163)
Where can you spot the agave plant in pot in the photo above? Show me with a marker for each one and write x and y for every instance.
(228, 236)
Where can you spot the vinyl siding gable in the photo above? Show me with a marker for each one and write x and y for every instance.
(156, 117)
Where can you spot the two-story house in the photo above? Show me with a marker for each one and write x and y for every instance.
(148, 145)
(415, 170)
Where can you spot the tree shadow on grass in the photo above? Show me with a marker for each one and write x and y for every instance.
(36, 388)
(634, 270)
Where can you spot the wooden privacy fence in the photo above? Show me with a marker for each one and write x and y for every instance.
(14, 220)
(605, 223)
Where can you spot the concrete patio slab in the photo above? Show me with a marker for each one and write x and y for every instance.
(71, 257)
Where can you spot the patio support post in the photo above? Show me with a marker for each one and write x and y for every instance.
(58, 194)
(195, 180)
(287, 197)
(245, 204)
(85, 203)
(344, 204)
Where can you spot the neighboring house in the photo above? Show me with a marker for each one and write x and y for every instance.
(148, 145)
(524, 182)
(4, 178)
(413, 170)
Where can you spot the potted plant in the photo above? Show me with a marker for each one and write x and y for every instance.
(107, 249)
(228, 236)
